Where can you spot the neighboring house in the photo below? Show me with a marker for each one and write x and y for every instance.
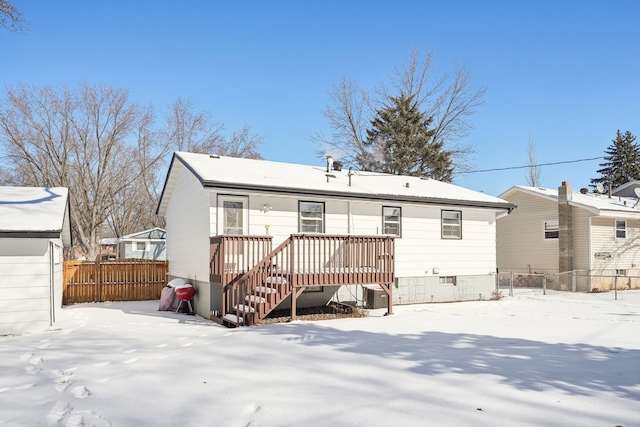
(34, 229)
(562, 231)
(108, 248)
(148, 244)
(423, 239)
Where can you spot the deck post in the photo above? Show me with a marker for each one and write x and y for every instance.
(297, 291)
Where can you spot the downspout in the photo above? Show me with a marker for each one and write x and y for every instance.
(52, 288)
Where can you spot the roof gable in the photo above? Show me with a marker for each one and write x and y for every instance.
(156, 233)
(600, 204)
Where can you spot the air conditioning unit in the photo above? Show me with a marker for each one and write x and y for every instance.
(376, 298)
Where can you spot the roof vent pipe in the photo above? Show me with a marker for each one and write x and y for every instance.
(584, 190)
(329, 163)
(350, 174)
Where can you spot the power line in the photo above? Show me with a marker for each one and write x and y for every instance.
(532, 166)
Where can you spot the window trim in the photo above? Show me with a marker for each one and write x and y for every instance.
(147, 246)
(615, 228)
(621, 272)
(322, 219)
(545, 230)
(220, 199)
(399, 234)
(442, 224)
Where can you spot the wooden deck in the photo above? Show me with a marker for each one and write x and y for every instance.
(255, 278)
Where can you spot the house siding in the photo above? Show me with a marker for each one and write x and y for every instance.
(420, 251)
(625, 253)
(521, 245)
(187, 237)
(581, 243)
(25, 285)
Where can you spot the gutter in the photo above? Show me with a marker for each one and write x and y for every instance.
(360, 196)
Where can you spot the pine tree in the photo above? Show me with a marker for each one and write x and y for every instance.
(401, 135)
(622, 161)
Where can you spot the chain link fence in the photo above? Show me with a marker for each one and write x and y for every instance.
(613, 287)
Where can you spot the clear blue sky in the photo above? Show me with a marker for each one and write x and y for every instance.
(565, 72)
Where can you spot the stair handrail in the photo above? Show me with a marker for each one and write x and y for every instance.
(254, 271)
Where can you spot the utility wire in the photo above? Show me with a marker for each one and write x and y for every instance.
(531, 166)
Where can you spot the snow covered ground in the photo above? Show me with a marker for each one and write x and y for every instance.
(531, 360)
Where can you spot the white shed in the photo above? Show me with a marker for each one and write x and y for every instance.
(34, 229)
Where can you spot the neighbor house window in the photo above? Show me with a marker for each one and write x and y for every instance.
(551, 230)
(447, 280)
(391, 220)
(621, 272)
(451, 225)
(139, 246)
(621, 229)
(311, 217)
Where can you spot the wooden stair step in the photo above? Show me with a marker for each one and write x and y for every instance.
(255, 299)
(244, 308)
(275, 280)
(232, 318)
(265, 290)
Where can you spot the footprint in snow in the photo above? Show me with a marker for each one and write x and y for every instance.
(162, 345)
(58, 412)
(135, 359)
(80, 392)
(189, 344)
(45, 344)
(32, 370)
(102, 364)
(85, 419)
(31, 358)
(130, 351)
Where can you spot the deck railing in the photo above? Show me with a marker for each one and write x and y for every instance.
(234, 255)
(301, 261)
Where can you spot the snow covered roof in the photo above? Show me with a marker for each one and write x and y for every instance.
(109, 241)
(35, 211)
(263, 175)
(152, 233)
(600, 204)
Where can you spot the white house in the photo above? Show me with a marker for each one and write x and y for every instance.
(34, 229)
(444, 235)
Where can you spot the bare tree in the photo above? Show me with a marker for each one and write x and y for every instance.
(91, 140)
(449, 100)
(11, 19)
(533, 171)
(195, 132)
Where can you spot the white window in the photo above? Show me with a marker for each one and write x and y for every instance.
(232, 215)
(391, 217)
(451, 225)
(621, 229)
(140, 246)
(621, 272)
(448, 280)
(551, 229)
(311, 217)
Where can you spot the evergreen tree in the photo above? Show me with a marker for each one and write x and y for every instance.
(622, 161)
(401, 136)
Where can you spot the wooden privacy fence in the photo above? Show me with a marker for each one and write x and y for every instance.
(117, 280)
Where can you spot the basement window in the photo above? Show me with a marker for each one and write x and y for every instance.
(551, 229)
(621, 272)
(448, 280)
(621, 229)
